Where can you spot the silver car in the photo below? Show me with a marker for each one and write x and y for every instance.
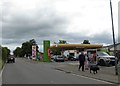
(104, 59)
(59, 58)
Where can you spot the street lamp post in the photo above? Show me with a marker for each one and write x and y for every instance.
(116, 69)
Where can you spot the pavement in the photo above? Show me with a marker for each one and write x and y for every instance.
(105, 73)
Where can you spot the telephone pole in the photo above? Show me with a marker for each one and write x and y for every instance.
(116, 69)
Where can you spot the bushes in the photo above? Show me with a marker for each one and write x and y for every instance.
(0, 63)
(5, 53)
(0, 57)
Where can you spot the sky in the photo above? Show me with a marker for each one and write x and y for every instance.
(119, 21)
(70, 20)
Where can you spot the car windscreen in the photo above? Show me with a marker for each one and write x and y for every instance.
(102, 54)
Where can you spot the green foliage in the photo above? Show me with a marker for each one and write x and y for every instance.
(57, 51)
(5, 54)
(62, 42)
(0, 64)
(17, 52)
(86, 42)
(26, 48)
(105, 50)
(0, 52)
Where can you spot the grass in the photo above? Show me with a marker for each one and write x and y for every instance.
(0, 64)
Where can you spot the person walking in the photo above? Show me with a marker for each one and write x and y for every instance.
(86, 62)
(81, 61)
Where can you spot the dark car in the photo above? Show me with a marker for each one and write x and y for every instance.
(71, 58)
(11, 59)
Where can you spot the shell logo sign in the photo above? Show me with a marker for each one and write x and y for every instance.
(72, 51)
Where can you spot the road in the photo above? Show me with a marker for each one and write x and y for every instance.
(25, 72)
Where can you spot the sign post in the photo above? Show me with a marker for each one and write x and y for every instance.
(116, 69)
(34, 52)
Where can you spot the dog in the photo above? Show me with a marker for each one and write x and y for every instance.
(94, 68)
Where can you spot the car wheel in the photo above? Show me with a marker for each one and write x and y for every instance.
(102, 62)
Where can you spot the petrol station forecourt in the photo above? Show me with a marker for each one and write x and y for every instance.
(63, 47)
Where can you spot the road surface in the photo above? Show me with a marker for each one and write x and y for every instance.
(27, 72)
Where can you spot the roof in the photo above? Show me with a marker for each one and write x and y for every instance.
(90, 46)
(110, 46)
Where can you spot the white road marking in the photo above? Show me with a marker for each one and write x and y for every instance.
(59, 71)
(87, 77)
(92, 78)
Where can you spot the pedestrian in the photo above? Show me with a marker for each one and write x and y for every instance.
(91, 58)
(81, 61)
(94, 57)
(86, 62)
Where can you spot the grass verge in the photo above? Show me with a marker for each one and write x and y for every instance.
(0, 64)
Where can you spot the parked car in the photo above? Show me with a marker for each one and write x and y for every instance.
(65, 58)
(59, 58)
(71, 58)
(53, 57)
(11, 59)
(104, 59)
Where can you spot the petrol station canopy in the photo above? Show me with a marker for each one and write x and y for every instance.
(76, 46)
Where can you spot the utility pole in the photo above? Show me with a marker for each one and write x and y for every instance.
(116, 69)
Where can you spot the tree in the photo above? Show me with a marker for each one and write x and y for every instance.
(62, 42)
(86, 42)
(17, 52)
(26, 49)
(57, 51)
(5, 54)
(0, 52)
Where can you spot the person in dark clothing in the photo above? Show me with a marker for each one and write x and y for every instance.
(81, 61)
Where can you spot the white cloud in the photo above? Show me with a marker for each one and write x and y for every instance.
(88, 16)
(72, 20)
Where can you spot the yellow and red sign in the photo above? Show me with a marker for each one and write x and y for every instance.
(33, 51)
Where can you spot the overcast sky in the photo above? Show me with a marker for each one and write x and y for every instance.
(70, 20)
